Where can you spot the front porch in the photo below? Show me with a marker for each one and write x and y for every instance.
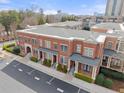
(45, 55)
(113, 60)
(84, 65)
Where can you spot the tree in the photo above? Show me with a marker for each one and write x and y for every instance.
(40, 20)
(7, 19)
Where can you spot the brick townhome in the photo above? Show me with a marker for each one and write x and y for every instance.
(81, 51)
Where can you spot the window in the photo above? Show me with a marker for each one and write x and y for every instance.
(48, 56)
(121, 46)
(109, 45)
(47, 44)
(78, 48)
(64, 48)
(35, 51)
(86, 68)
(55, 45)
(34, 41)
(63, 60)
(88, 52)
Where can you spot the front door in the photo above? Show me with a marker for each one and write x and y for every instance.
(40, 54)
(54, 58)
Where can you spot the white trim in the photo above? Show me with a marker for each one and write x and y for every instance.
(94, 73)
(58, 37)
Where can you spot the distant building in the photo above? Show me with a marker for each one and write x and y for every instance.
(107, 27)
(53, 18)
(115, 8)
(77, 25)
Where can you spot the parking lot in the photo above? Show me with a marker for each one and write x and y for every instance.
(38, 81)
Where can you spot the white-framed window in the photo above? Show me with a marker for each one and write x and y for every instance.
(47, 44)
(88, 52)
(63, 60)
(48, 56)
(121, 46)
(86, 68)
(55, 44)
(34, 41)
(109, 45)
(64, 48)
(78, 48)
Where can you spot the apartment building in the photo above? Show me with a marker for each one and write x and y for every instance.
(81, 51)
(114, 8)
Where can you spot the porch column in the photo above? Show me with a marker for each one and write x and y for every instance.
(69, 64)
(76, 67)
(38, 55)
(109, 62)
(43, 56)
(57, 60)
(52, 59)
(94, 73)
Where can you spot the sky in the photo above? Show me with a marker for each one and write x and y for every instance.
(78, 7)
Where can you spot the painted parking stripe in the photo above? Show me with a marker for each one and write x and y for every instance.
(20, 70)
(7, 63)
(49, 82)
(37, 78)
(60, 90)
(29, 73)
(16, 65)
(79, 90)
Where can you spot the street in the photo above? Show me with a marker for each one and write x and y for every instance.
(38, 81)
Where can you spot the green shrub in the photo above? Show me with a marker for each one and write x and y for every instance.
(34, 59)
(99, 79)
(65, 69)
(9, 50)
(8, 45)
(83, 77)
(59, 67)
(47, 63)
(108, 83)
(112, 74)
(16, 50)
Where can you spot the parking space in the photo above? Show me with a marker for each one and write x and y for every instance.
(37, 80)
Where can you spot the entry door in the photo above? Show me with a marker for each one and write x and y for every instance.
(54, 58)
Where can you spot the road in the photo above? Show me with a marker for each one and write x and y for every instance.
(37, 80)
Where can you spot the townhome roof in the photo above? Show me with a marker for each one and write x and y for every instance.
(71, 34)
(110, 26)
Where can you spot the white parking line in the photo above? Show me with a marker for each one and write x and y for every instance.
(49, 82)
(60, 90)
(16, 65)
(37, 78)
(79, 90)
(7, 63)
(20, 70)
(29, 73)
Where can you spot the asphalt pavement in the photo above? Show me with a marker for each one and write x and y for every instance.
(37, 80)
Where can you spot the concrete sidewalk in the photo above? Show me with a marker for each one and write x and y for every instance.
(92, 88)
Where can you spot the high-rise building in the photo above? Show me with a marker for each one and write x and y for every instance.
(115, 8)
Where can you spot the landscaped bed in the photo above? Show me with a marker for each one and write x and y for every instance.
(12, 48)
(110, 79)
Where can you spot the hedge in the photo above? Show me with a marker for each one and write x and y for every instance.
(16, 50)
(108, 83)
(83, 77)
(100, 79)
(112, 74)
(8, 45)
(47, 63)
(34, 59)
(62, 68)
